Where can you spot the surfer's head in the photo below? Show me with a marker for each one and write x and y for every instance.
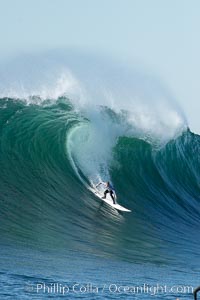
(108, 183)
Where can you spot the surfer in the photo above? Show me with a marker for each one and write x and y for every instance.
(109, 189)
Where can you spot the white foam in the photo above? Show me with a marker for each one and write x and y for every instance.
(144, 107)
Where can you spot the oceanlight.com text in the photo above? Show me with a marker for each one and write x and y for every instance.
(110, 288)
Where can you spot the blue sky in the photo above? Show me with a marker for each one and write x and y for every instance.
(162, 35)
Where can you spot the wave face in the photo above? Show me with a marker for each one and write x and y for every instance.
(51, 151)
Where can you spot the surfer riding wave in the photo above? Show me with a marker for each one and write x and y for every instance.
(109, 189)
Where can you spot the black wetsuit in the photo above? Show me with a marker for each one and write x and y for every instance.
(110, 190)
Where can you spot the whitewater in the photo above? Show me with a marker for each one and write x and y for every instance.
(65, 124)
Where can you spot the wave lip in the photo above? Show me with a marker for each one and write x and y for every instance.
(91, 82)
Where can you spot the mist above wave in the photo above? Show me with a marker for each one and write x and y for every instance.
(91, 82)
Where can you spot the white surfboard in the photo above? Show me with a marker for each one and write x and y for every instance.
(109, 201)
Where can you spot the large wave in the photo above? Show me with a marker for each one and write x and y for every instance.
(61, 135)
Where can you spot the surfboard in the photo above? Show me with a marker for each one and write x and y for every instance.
(109, 201)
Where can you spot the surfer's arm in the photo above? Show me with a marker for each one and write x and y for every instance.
(101, 182)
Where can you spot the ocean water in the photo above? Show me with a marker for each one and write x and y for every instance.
(58, 240)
